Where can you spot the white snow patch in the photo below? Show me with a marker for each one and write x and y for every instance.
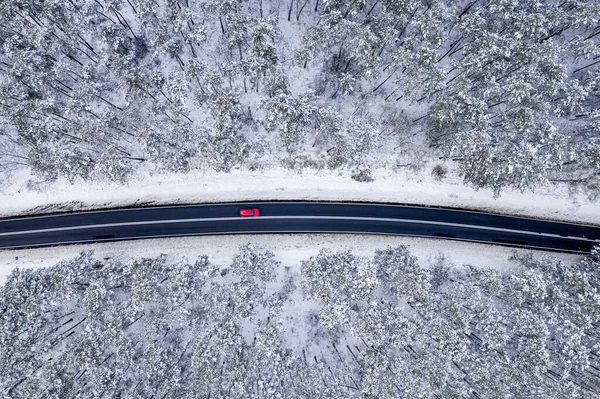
(402, 186)
(290, 249)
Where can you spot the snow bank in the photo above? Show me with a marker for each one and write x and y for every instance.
(402, 186)
(290, 249)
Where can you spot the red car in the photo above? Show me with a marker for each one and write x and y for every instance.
(249, 212)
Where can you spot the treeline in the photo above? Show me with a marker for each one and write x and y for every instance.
(336, 325)
(508, 89)
(511, 88)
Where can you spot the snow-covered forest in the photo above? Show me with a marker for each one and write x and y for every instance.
(506, 90)
(503, 93)
(335, 325)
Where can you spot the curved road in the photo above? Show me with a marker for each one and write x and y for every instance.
(295, 217)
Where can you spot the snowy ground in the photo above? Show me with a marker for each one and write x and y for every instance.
(288, 248)
(401, 186)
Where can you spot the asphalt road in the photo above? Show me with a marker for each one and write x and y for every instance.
(295, 217)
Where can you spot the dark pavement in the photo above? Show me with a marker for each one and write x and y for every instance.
(295, 217)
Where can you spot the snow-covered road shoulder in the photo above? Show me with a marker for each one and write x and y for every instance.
(403, 187)
(289, 248)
